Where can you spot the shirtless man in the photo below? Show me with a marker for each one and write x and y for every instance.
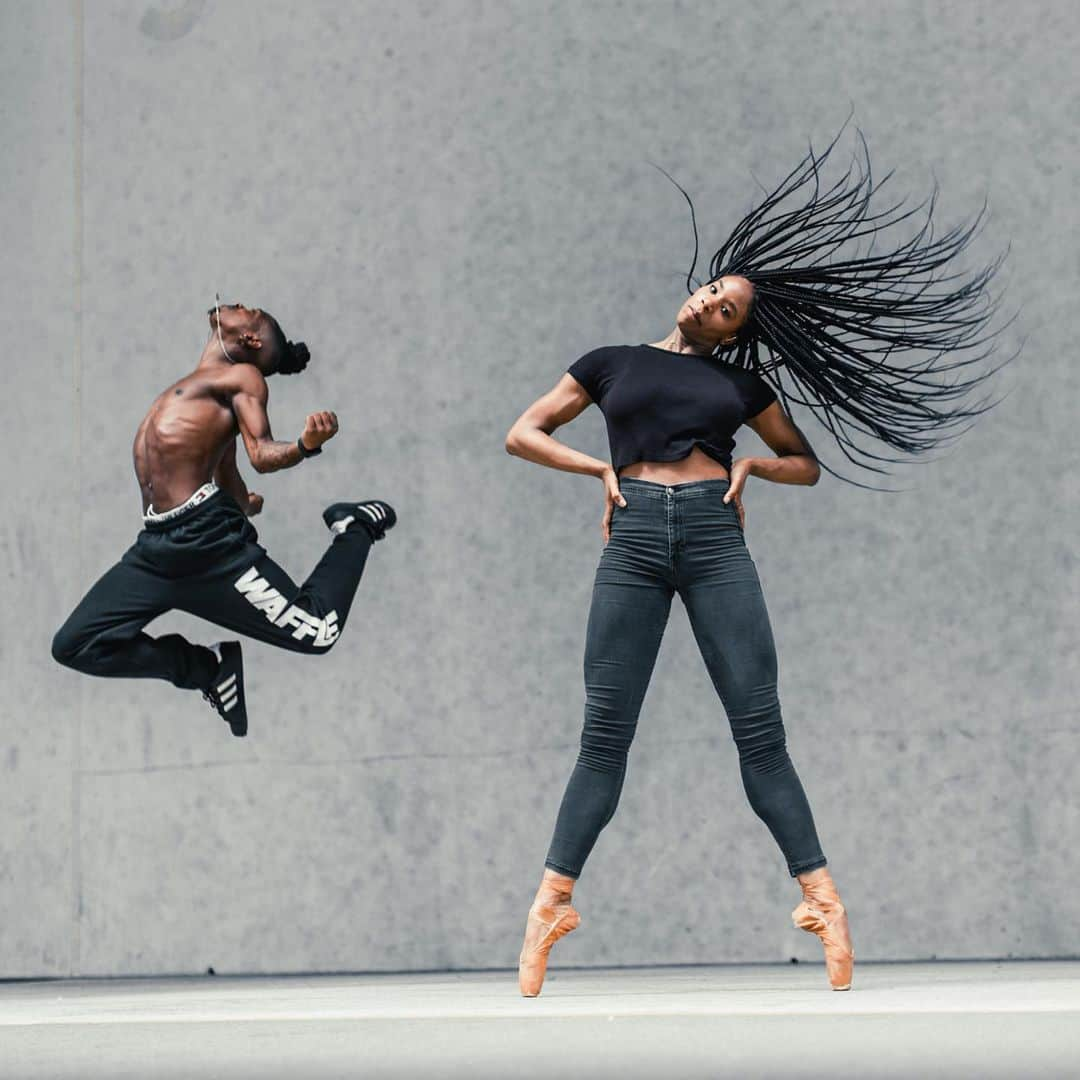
(198, 552)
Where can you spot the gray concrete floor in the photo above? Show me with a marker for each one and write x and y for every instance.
(992, 1019)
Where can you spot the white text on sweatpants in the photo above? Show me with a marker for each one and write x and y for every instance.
(261, 594)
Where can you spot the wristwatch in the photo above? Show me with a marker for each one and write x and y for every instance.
(304, 451)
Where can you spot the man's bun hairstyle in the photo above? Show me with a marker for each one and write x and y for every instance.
(294, 359)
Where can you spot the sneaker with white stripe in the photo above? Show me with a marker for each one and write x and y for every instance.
(373, 514)
(226, 693)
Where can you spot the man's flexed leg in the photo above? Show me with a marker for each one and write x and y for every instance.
(208, 562)
(256, 597)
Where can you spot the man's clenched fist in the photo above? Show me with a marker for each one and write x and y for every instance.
(320, 427)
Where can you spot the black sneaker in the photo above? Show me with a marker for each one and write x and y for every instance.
(375, 515)
(227, 692)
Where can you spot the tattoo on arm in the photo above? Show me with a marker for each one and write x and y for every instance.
(273, 456)
(265, 453)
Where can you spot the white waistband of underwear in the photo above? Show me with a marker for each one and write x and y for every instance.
(199, 496)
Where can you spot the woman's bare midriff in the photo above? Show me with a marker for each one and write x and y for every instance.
(697, 465)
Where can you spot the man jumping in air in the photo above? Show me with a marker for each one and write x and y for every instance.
(197, 551)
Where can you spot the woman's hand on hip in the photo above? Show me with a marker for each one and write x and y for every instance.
(612, 495)
(740, 470)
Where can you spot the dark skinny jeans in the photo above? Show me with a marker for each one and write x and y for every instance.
(683, 539)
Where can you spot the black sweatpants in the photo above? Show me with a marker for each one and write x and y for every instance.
(207, 561)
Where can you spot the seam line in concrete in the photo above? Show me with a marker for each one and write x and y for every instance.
(78, 14)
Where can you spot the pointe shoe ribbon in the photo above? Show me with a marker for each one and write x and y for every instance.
(556, 922)
(819, 900)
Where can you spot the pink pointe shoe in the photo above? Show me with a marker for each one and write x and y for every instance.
(821, 913)
(545, 925)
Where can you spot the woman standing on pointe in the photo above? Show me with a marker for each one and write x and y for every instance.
(839, 326)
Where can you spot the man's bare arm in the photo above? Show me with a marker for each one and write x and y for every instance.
(264, 451)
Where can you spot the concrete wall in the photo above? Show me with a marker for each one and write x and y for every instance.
(450, 202)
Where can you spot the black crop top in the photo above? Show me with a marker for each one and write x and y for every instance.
(659, 405)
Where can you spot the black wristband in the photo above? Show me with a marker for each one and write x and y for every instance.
(304, 451)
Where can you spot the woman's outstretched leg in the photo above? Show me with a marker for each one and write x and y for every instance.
(626, 624)
(731, 625)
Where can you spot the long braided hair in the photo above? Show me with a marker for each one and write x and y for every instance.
(847, 328)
